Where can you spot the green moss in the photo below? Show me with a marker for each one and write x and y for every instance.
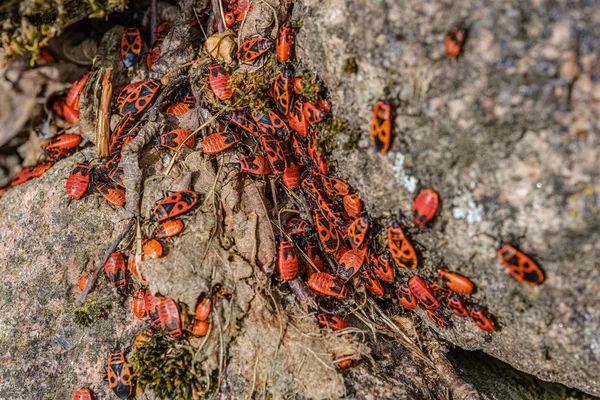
(251, 89)
(331, 128)
(167, 367)
(350, 66)
(311, 87)
(89, 312)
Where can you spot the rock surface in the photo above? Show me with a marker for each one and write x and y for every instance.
(507, 133)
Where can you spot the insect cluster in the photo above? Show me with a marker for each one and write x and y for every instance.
(336, 248)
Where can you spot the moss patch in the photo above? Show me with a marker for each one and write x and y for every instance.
(350, 66)
(331, 128)
(168, 368)
(311, 87)
(251, 89)
(89, 312)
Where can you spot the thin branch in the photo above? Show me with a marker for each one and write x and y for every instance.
(111, 249)
(218, 11)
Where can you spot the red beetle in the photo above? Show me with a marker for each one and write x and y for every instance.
(425, 206)
(521, 267)
(143, 338)
(131, 46)
(317, 155)
(400, 247)
(241, 8)
(138, 306)
(126, 91)
(455, 282)
(152, 304)
(328, 235)
(140, 97)
(169, 228)
(173, 205)
(299, 150)
(371, 282)
(282, 91)
(82, 394)
(111, 193)
(481, 319)
(312, 113)
(119, 375)
(457, 306)
(84, 280)
(283, 47)
(115, 270)
(291, 174)
(357, 232)
(72, 99)
(219, 82)
(123, 130)
(253, 48)
(310, 186)
(117, 175)
(219, 141)
(272, 124)
(274, 152)
(287, 259)
(179, 109)
(381, 126)
(78, 181)
(170, 317)
(30, 173)
(176, 138)
(296, 118)
(298, 86)
(297, 226)
(241, 117)
(384, 268)
(200, 328)
(63, 142)
(439, 319)
(419, 288)
(312, 251)
(454, 42)
(333, 321)
(253, 164)
(349, 264)
(70, 115)
(326, 284)
(406, 298)
(352, 205)
(152, 248)
(203, 309)
(344, 363)
(334, 186)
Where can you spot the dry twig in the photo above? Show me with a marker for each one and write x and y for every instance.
(88, 287)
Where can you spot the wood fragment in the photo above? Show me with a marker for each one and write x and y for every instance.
(103, 127)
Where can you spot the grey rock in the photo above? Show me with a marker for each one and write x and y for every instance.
(507, 133)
